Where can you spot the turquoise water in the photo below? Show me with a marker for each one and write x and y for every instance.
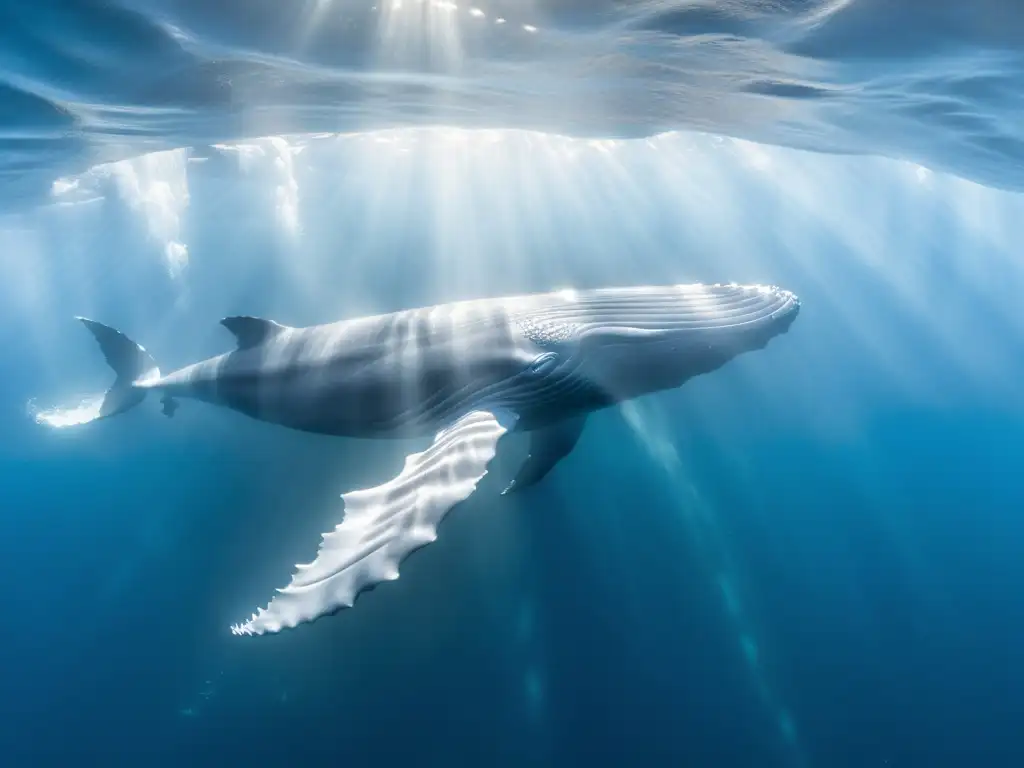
(808, 558)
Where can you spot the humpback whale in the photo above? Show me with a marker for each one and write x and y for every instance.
(465, 374)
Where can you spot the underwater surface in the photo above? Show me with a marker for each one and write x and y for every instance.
(811, 557)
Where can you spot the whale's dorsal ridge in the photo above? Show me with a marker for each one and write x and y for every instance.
(251, 331)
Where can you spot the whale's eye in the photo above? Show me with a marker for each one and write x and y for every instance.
(544, 363)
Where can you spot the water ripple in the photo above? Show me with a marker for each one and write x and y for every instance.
(87, 81)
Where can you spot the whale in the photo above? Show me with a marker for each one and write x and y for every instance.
(464, 375)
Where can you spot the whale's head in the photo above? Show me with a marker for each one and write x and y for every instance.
(608, 345)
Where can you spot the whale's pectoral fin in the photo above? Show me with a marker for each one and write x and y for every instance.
(169, 405)
(547, 447)
(382, 525)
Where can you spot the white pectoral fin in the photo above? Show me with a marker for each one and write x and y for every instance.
(382, 525)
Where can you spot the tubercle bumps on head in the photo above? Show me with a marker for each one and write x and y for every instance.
(543, 331)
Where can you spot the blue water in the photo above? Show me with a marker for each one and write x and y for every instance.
(811, 557)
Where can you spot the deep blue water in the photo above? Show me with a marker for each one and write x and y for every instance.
(811, 557)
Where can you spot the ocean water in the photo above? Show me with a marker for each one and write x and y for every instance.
(811, 557)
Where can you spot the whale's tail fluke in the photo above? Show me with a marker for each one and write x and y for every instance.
(131, 363)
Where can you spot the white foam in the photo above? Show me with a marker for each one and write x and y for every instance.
(61, 417)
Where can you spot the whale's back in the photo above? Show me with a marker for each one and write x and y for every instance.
(387, 375)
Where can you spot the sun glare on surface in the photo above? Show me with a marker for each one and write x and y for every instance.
(439, 32)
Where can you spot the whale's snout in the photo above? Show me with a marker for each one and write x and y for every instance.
(684, 315)
(788, 310)
(701, 314)
(743, 318)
